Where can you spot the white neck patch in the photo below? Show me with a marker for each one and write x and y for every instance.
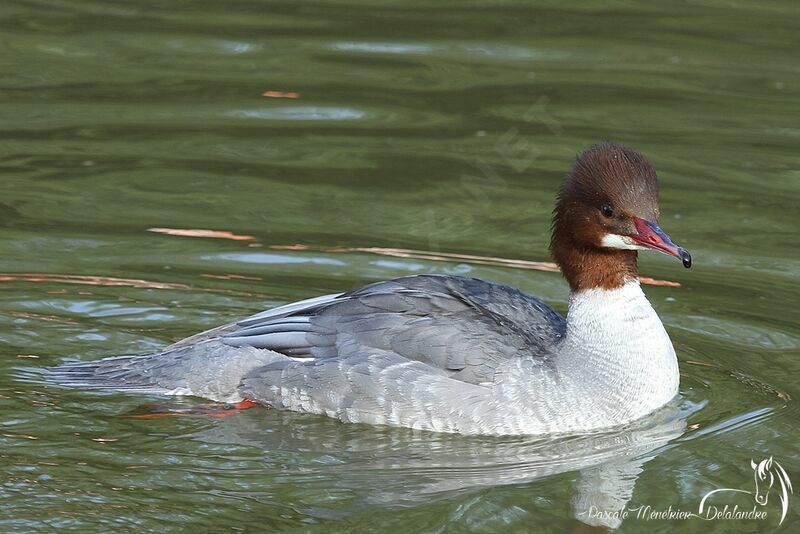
(620, 241)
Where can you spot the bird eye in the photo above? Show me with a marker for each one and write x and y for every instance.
(607, 210)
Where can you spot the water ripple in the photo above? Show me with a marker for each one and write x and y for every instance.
(300, 113)
(383, 48)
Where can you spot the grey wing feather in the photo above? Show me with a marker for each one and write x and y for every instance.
(289, 309)
(466, 327)
(281, 312)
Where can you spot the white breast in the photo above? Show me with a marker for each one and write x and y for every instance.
(618, 352)
(615, 365)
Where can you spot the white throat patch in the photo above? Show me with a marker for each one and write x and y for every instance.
(620, 241)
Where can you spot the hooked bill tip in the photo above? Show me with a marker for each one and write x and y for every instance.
(686, 258)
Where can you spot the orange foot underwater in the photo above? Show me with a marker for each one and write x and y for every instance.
(157, 411)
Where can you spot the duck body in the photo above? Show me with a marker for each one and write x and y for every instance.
(446, 353)
(429, 352)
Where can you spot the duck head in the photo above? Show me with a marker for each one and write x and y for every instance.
(607, 210)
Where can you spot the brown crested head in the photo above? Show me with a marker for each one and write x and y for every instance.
(607, 209)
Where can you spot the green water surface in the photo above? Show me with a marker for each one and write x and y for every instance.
(442, 127)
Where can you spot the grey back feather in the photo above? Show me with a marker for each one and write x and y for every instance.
(464, 326)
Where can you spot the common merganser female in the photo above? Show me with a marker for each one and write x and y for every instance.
(453, 354)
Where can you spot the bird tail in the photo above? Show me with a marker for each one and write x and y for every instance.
(119, 373)
(210, 369)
